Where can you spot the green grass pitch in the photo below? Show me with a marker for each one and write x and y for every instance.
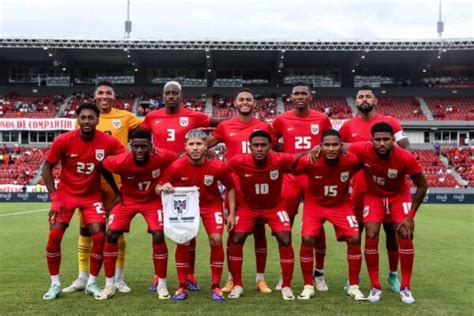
(442, 281)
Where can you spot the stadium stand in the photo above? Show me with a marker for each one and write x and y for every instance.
(451, 108)
(266, 108)
(333, 107)
(122, 102)
(15, 106)
(435, 172)
(18, 165)
(403, 108)
(462, 160)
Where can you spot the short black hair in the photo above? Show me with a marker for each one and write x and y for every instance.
(365, 87)
(104, 83)
(381, 127)
(299, 84)
(245, 90)
(331, 132)
(88, 106)
(260, 133)
(140, 133)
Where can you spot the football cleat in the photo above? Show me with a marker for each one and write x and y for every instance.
(375, 295)
(162, 292)
(262, 286)
(92, 289)
(53, 293)
(106, 293)
(346, 285)
(236, 292)
(308, 292)
(394, 282)
(279, 284)
(217, 295)
(320, 283)
(287, 293)
(406, 296)
(78, 285)
(154, 286)
(122, 287)
(355, 293)
(192, 284)
(228, 286)
(180, 295)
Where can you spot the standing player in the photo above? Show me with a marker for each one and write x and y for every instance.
(169, 126)
(139, 171)
(327, 198)
(261, 177)
(385, 169)
(118, 123)
(234, 133)
(194, 170)
(357, 130)
(80, 152)
(301, 130)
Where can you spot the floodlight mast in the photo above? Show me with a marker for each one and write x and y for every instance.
(128, 23)
(440, 24)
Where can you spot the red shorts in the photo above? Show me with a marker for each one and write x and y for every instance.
(213, 222)
(90, 206)
(394, 208)
(121, 216)
(341, 216)
(292, 192)
(277, 218)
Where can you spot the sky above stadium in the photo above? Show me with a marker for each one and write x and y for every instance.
(305, 20)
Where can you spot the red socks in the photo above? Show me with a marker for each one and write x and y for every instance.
(53, 250)
(287, 263)
(372, 261)
(96, 258)
(354, 262)
(307, 262)
(407, 257)
(320, 249)
(217, 264)
(110, 259)
(160, 259)
(182, 264)
(260, 247)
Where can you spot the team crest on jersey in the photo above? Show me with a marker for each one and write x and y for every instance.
(208, 180)
(116, 123)
(156, 173)
(392, 173)
(274, 174)
(366, 211)
(183, 121)
(344, 176)
(99, 154)
(315, 129)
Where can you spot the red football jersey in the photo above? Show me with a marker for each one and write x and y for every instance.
(139, 181)
(358, 130)
(328, 185)
(183, 173)
(235, 134)
(386, 177)
(261, 186)
(169, 129)
(299, 133)
(79, 160)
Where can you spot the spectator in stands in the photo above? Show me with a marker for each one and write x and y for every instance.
(38, 188)
(437, 149)
(24, 188)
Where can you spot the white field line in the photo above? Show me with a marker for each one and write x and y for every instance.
(25, 212)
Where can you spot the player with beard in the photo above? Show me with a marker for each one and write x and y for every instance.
(234, 133)
(301, 130)
(357, 130)
(386, 168)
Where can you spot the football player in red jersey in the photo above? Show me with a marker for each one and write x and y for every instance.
(195, 170)
(169, 125)
(301, 130)
(139, 171)
(260, 178)
(234, 133)
(80, 153)
(327, 198)
(385, 169)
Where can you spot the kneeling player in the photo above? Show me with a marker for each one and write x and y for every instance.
(385, 169)
(260, 177)
(194, 170)
(327, 198)
(139, 171)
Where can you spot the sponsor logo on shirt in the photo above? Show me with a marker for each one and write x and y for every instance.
(344, 176)
(392, 173)
(156, 173)
(116, 123)
(99, 154)
(183, 121)
(208, 179)
(315, 129)
(274, 174)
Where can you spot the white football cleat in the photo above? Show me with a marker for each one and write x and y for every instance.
(287, 293)
(236, 292)
(308, 292)
(406, 296)
(375, 295)
(279, 284)
(76, 286)
(122, 287)
(320, 283)
(106, 293)
(162, 292)
(355, 293)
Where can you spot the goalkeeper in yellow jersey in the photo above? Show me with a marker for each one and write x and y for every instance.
(118, 123)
